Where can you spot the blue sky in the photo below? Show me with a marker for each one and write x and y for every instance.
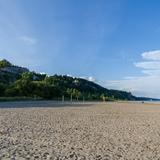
(113, 42)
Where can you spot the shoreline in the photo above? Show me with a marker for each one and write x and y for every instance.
(53, 103)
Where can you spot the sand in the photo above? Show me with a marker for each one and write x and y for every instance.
(97, 131)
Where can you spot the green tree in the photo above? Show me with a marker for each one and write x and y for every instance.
(5, 63)
(2, 89)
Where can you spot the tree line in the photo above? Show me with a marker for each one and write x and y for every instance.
(35, 85)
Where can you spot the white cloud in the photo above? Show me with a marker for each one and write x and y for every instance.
(152, 72)
(141, 86)
(148, 65)
(152, 55)
(28, 40)
(91, 79)
(153, 64)
(146, 85)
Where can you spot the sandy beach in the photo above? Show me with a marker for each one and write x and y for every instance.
(90, 131)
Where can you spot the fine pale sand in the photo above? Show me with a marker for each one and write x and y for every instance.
(98, 131)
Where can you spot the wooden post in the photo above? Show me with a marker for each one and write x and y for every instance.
(63, 99)
(104, 99)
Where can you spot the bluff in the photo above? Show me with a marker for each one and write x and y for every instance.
(19, 81)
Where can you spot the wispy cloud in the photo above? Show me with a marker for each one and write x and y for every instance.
(141, 86)
(148, 65)
(152, 64)
(147, 84)
(152, 72)
(28, 40)
(152, 55)
(90, 78)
